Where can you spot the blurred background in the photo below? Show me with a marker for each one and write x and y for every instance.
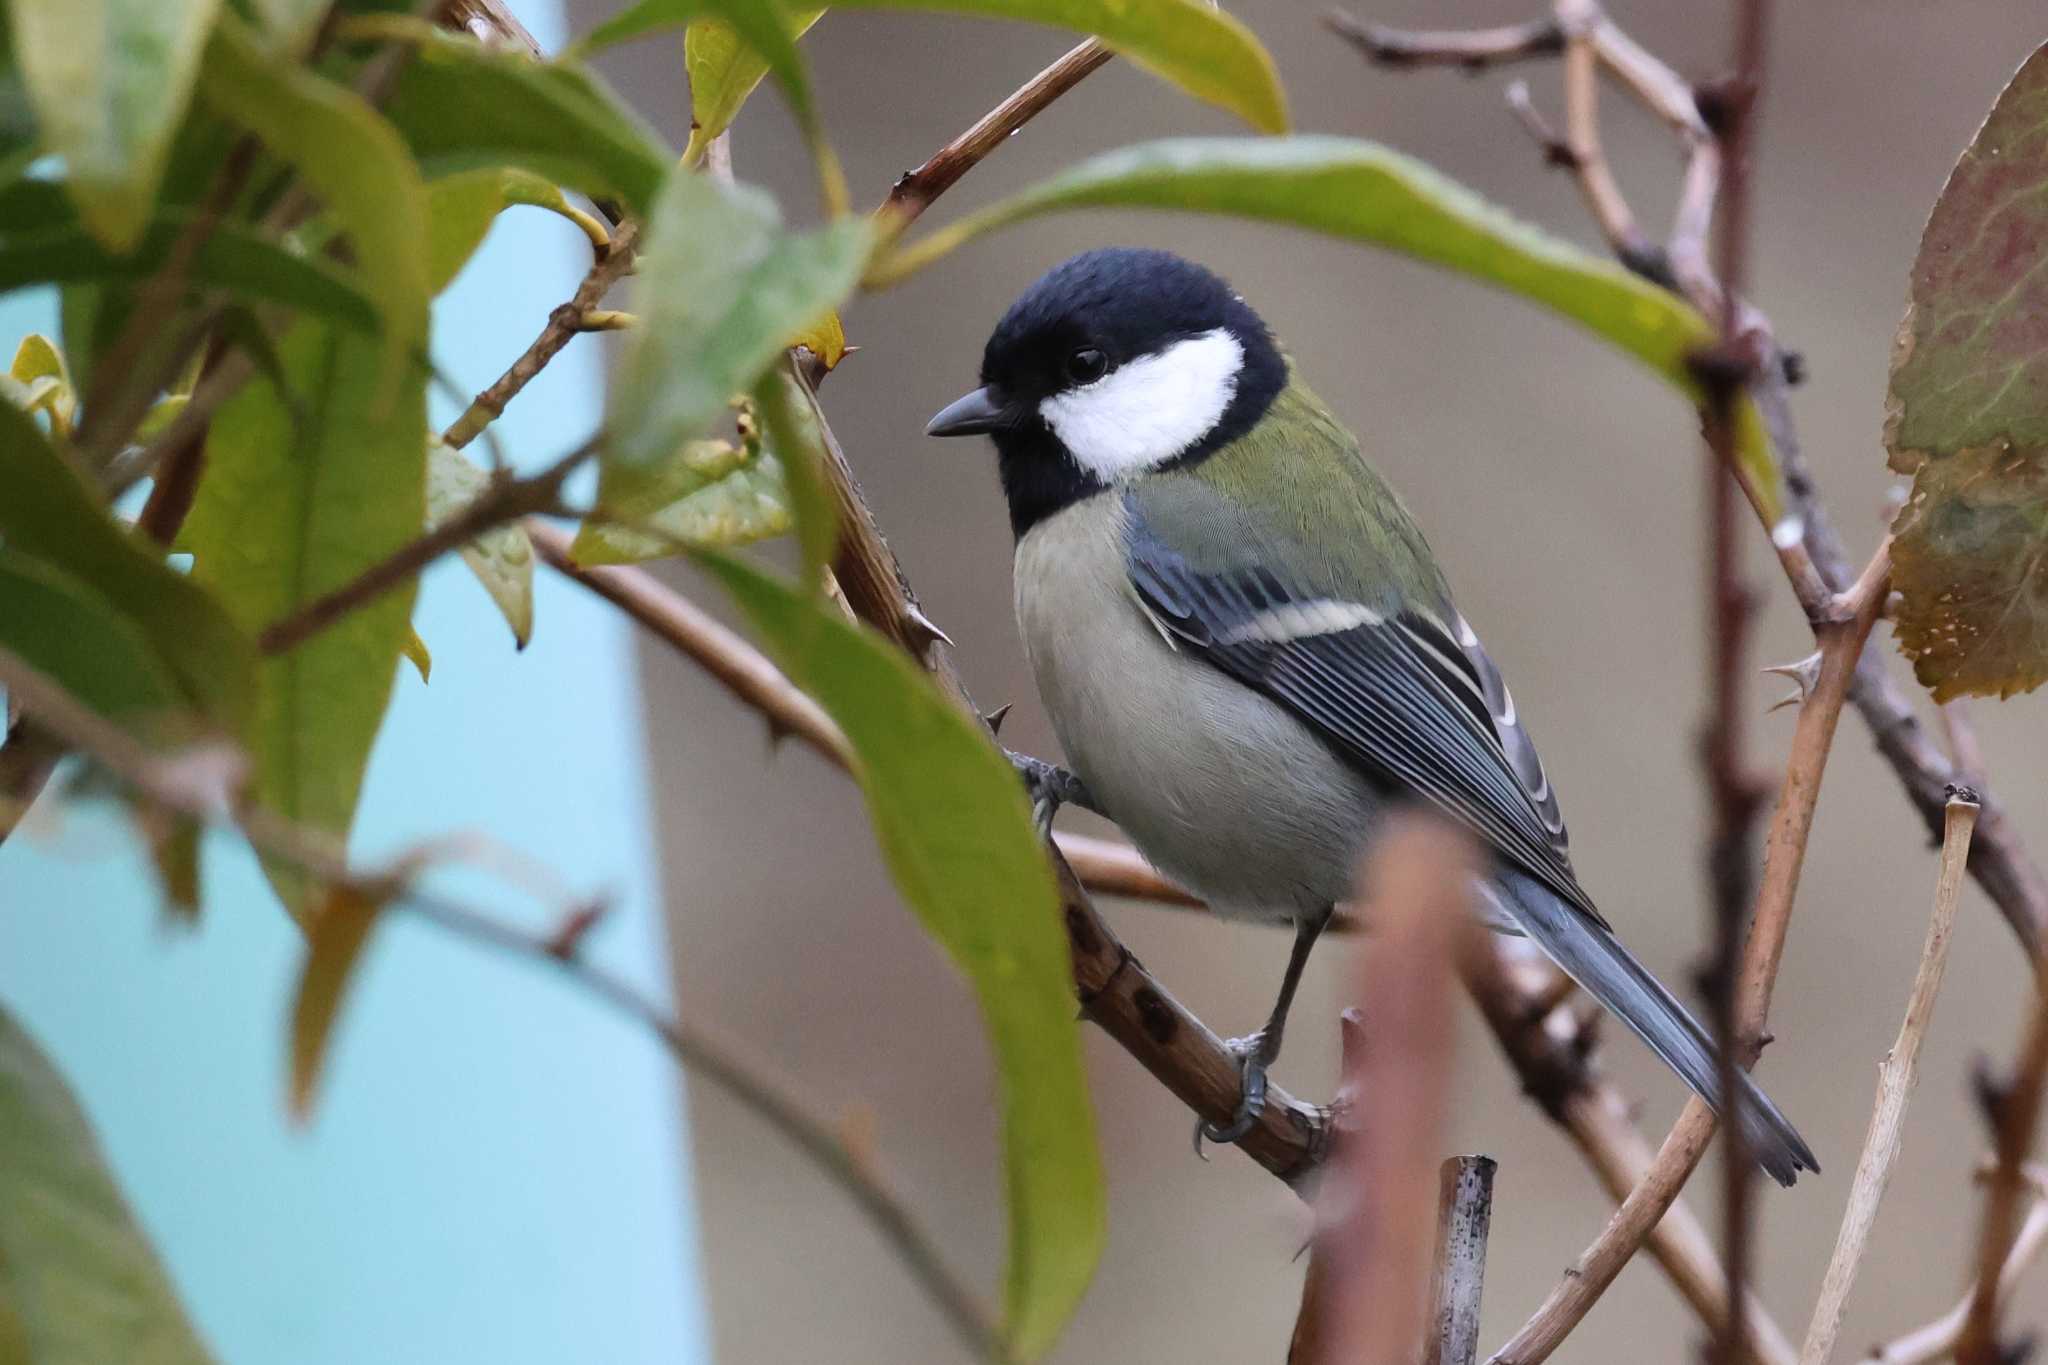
(1560, 486)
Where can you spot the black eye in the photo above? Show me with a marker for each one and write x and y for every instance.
(1087, 365)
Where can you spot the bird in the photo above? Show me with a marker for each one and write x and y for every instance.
(1248, 651)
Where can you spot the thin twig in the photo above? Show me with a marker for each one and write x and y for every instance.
(2012, 1105)
(564, 325)
(915, 190)
(1896, 1077)
(1937, 1340)
(1469, 49)
(1736, 796)
(507, 500)
(1785, 854)
(1365, 1301)
(205, 784)
(1457, 1286)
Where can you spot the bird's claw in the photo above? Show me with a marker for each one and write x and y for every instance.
(1049, 786)
(1251, 1099)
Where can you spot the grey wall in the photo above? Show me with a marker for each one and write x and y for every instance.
(1559, 484)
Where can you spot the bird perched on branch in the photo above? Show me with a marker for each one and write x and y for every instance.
(1249, 652)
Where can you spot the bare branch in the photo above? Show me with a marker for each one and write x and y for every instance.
(1365, 1299)
(915, 190)
(1785, 846)
(564, 325)
(1937, 1340)
(1469, 49)
(2012, 1104)
(506, 500)
(1464, 1215)
(1896, 1077)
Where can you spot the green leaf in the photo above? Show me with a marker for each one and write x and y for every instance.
(460, 211)
(708, 495)
(954, 825)
(335, 938)
(58, 625)
(795, 430)
(767, 30)
(355, 160)
(723, 72)
(79, 1284)
(1968, 414)
(49, 513)
(1188, 43)
(721, 289)
(302, 493)
(502, 558)
(1367, 193)
(51, 246)
(109, 81)
(464, 106)
(289, 25)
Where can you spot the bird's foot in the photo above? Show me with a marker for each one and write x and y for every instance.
(1253, 1059)
(1049, 786)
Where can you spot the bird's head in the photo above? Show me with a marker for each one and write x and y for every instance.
(1116, 363)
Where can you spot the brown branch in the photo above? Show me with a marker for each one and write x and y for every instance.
(2013, 1107)
(1937, 1340)
(1735, 795)
(564, 325)
(507, 500)
(1896, 1077)
(1364, 1301)
(914, 191)
(205, 784)
(1470, 50)
(1791, 824)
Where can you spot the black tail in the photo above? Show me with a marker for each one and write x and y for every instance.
(1610, 973)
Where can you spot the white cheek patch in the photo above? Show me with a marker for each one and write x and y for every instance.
(1145, 412)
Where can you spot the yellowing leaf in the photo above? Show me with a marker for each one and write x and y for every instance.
(825, 339)
(78, 1280)
(955, 828)
(334, 945)
(709, 495)
(723, 72)
(1364, 192)
(355, 160)
(501, 558)
(418, 655)
(1969, 414)
(109, 81)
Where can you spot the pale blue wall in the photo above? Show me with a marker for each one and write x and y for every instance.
(496, 1171)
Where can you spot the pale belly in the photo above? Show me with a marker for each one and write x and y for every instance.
(1220, 788)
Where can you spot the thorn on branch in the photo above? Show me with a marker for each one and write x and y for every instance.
(920, 632)
(994, 719)
(566, 942)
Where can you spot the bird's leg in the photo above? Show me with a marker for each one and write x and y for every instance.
(1050, 786)
(1260, 1050)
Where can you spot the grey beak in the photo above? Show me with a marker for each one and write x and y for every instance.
(978, 412)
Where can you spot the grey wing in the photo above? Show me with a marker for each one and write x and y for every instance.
(1400, 695)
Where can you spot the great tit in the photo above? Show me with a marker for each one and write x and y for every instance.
(1247, 649)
